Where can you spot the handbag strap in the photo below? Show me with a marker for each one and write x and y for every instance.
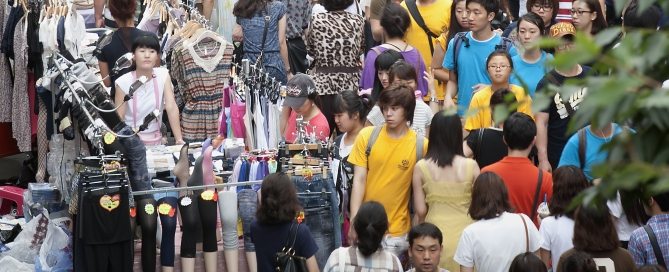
(415, 14)
(536, 194)
(264, 35)
(479, 144)
(656, 247)
(292, 235)
(527, 236)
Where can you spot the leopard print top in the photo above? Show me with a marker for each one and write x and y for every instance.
(335, 39)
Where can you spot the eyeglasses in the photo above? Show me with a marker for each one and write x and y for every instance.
(579, 12)
(546, 7)
(503, 67)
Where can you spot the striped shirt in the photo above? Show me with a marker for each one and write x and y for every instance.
(200, 90)
(350, 259)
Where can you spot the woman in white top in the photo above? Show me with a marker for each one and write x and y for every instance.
(492, 242)
(349, 110)
(154, 95)
(557, 230)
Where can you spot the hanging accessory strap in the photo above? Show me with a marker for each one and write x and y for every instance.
(536, 194)
(134, 100)
(582, 144)
(264, 36)
(415, 14)
(527, 236)
(656, 247)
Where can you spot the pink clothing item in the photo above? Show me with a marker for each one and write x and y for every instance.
(319, 123)
(207, 167)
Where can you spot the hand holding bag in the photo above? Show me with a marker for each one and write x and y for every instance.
(286, 260)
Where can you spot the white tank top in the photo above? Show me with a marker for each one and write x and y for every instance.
(144, 100)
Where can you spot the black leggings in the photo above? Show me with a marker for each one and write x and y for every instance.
(196, 212)
(168, 222)
(148, 223)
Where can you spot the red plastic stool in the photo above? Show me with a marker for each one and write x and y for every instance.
(11, 195)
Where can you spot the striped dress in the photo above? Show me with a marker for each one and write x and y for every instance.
(201, 72)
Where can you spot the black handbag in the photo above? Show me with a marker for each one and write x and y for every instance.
(286, 260)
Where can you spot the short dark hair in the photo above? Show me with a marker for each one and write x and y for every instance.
(383, 62)
(351, 103)
(662, 200)
(600, 23)
(501, 53)
(488, 5)
(490, 198)
(519, 131)
(527, 262)
(146, 41)
(399, 95)
(445, 138)
(402, 70)
(534, 19)
(577, 261)
(554, 3)
(395, 20)
(425, 229)
(278, 201)
(568, 182)
(371, 224)
(503, 97)
(122, 9)
(648, 18)
(335, 5)
(594, 229)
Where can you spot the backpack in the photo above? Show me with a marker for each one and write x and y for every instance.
(375, 135)
(461, 37)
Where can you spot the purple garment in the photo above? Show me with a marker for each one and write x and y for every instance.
(412, 56)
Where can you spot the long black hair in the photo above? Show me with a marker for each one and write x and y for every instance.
(382, 63)
(371, 224)
(248, 8)
(445, 139)
(454, 26)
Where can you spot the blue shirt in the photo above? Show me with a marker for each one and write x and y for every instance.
(640, 247)
(530, 73)
(472, 68)
(593, 153)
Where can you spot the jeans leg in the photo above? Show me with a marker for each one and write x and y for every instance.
(138, 172)
(334, 207)
(248, 205)
(319, 221)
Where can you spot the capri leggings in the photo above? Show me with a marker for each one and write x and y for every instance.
(248, 205)
(167, 210)
(147, 219)
(227, 206)
(195, 210)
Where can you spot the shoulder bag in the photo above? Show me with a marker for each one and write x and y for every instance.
(286, 260)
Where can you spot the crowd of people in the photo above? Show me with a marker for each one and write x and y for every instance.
(427, 187)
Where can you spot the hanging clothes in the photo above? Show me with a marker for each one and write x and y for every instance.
(201, 71)
(6, 80)
(21, 129)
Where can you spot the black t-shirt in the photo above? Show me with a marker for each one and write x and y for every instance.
(487, 145)
(269, 239)
(560, 111)
(120, 44)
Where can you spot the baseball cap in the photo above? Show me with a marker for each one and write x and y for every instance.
(562, 29)
(299, 87)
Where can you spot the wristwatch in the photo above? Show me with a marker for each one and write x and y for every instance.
(433, 99)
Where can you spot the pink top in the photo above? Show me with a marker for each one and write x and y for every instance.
(319, 122)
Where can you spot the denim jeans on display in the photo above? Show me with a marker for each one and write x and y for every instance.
(247, 201)
(135, 153)
(319, 200)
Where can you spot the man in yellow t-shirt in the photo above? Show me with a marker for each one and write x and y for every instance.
(479, 108)
(437, 15)
(384, 174)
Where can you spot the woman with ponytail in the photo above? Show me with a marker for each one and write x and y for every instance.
(350, 113)
(371, 224)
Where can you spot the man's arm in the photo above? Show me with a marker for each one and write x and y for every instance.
(358, 190)
(451, 89)
(541, 119)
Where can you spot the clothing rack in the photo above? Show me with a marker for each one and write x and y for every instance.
(198, 187)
